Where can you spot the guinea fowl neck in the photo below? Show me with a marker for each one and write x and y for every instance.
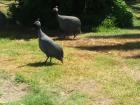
(39, 32)
(56, 13)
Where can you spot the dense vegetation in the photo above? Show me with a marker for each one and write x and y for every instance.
(91, 12)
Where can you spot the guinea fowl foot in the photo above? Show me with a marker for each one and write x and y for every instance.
(62, 62)
(74, 37)
(50, 60)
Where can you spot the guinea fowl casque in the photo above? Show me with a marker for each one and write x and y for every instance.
(47, 45)
(68, 24)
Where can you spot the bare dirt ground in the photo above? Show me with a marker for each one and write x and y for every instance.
(10, 91)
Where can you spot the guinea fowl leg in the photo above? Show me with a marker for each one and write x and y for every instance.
(46, 60)
(74, 36)
(50, 60)
(64, 36)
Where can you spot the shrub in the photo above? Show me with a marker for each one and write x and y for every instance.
(91, 12)
(124, 17)
(27, 11)
(109, 22)
(107, 25)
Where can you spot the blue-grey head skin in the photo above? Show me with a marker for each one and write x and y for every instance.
(47, 45)
(68, 24)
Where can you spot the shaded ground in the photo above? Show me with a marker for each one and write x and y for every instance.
(126, 46)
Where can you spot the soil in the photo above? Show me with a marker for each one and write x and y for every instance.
(10, 91)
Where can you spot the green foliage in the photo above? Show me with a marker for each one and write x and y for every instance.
(97, 11)
(107, 25)
(27, 11)
(109, 22)
(124, 17)
(91, 12)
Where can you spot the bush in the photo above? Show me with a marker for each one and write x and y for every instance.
(107, 25)
(27, 11)
(91, 13)
(109, 22)
(124, 17)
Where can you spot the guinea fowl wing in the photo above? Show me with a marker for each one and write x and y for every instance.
(49, 47)
(68, 23)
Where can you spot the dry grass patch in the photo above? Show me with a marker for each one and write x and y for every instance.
(10, 91)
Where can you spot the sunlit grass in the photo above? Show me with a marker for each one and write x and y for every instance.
(104, 68)
(90, 75)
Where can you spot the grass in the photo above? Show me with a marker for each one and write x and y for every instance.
(37, 99)
(99, 68)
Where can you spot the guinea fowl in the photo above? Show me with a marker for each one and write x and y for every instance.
(47, 45)
(68, 24)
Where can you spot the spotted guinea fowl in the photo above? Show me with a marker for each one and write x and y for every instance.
(47, 45)
(68, 24)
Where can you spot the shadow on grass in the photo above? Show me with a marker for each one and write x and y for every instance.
(138, 18)
(64, 39)
(135, 27)
(25, 33)
(125, 47)
(14, 33)
(133, 57)
(123, 36)
(40, 64)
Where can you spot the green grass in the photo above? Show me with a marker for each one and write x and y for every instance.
(97, 68)
(34, 99)
(49, 98)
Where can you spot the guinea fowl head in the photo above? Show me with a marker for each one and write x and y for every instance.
(61, 56)
(55, 9)
(61, 59)
(37, 23)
